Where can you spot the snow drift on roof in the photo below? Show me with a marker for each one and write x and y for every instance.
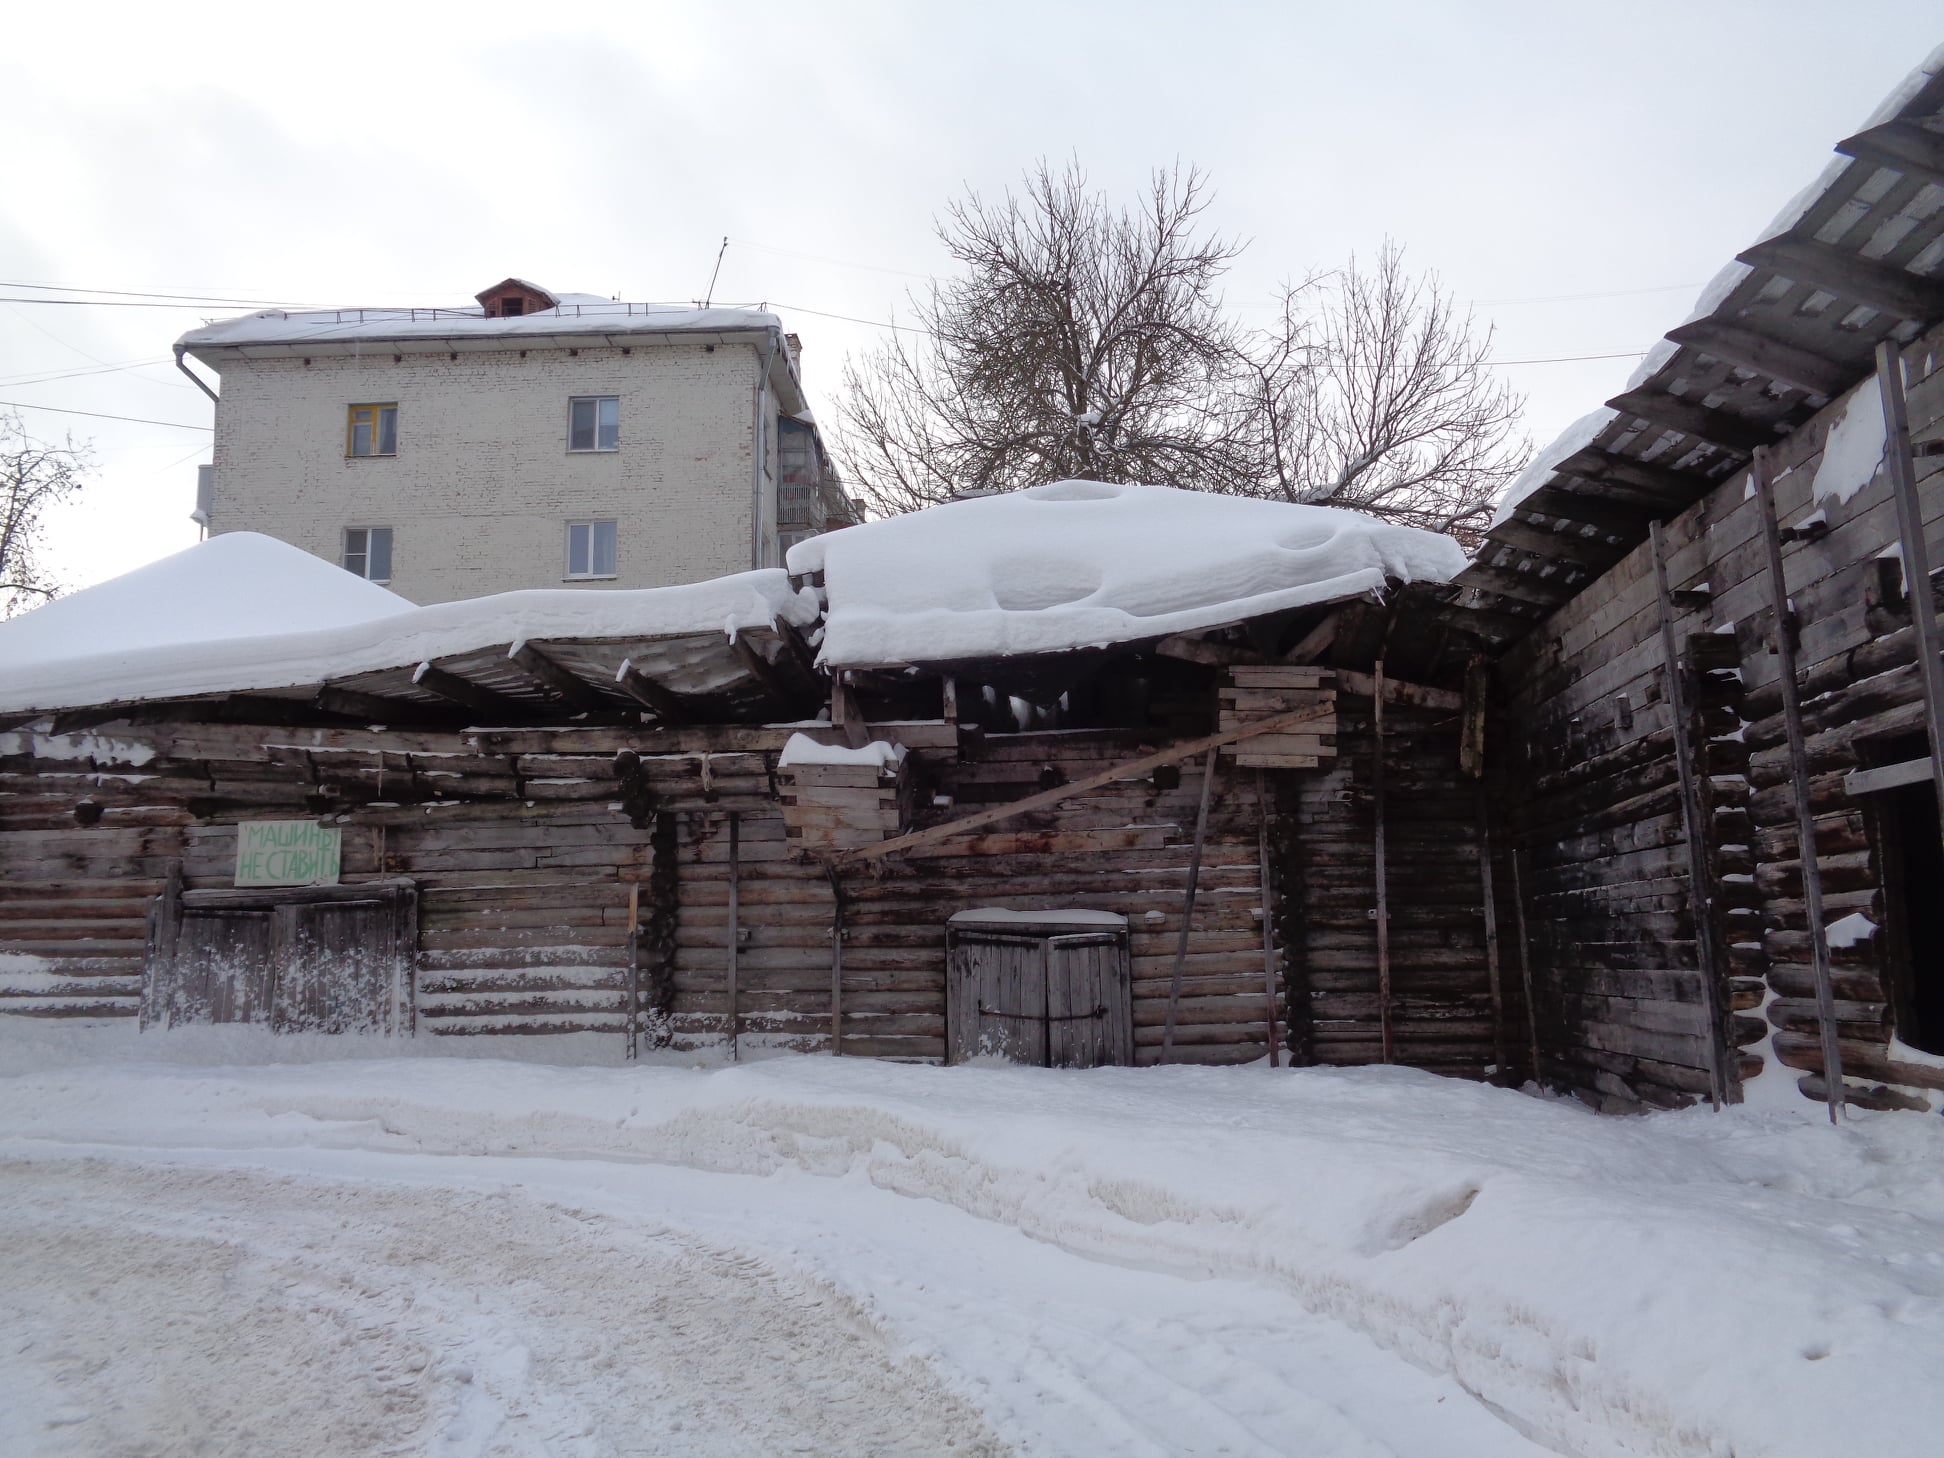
(237, 583)
(1079, 564)
(240, 649)
(575, 314)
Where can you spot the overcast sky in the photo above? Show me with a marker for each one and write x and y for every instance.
(1576, 171)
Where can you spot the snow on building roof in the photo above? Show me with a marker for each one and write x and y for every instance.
(242, 613)
(1079, 564)
(240, 582)
(576, 315)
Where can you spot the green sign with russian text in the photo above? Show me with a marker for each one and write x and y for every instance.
(287, 853)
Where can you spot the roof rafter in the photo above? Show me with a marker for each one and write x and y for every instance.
(1766, 355)
(1883, 287)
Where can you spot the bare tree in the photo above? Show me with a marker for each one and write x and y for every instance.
(1080, 341)
(33, 477)
(1373, 393)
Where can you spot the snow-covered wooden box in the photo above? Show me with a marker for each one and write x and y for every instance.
(836, 798)
(1261, 692)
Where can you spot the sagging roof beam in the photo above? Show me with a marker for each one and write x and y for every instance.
(1545, 592)
(761, 669)
(1595, 554)
(1768, 356)
(1885, 288)
(1605, 517)
(373, 708)
(1902, 145)
(467, 694)
(661, 702)
(1654, 487)
(555, 680)
(1732, 432)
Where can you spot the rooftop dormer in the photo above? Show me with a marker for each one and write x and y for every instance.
(512, 297)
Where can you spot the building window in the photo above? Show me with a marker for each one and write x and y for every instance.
(512, 306)
(367, 552)
(594, 423)
(590, 549)
(372, 430)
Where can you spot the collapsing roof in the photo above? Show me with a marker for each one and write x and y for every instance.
(243, 614)
(1794, 322)
(1077, 564)
(1086, 564)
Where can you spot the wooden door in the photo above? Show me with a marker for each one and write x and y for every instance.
(1039, 995)
(1089, 1002)
(997, 998)
(223, 967)
(339, 970)
(335, 959)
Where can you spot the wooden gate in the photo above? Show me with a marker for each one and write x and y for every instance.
(326, 959)
(1053, 995)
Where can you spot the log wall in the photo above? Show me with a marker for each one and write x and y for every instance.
(1591, 777)
(526, 845)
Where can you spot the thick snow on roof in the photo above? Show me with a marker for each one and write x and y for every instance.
(240, 582)
(1081, 564)
(282, 618)
(576, 314)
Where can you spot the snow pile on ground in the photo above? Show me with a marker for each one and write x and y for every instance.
(576, 314)
(241, 612)
(1123, 1261)
(1079, 564)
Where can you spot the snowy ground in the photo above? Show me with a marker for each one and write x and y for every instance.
(220, 1243)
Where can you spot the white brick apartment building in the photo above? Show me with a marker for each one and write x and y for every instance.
(536, 441)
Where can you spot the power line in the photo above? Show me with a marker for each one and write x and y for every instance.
(145, 294)
(97, 415)
(117, 303)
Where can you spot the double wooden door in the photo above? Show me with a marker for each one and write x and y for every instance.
(326, 960)
(1051, 999)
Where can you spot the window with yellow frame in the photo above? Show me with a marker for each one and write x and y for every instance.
(371, 430)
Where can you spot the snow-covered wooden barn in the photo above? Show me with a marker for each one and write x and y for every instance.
(1641, 801)
(1050, 732)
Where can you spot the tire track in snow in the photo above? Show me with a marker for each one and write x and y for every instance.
(151, 1312)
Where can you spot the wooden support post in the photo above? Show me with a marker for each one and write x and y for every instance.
(1761, 477)
(1383, 890)
(735, 930)
(159, 963)
(836, 961)
(634, 972)
(1694, 825)
(1268, 918)
(1188, 903)
(844, 713)
(1525, 962)
(1491, 929)
(1916, 554)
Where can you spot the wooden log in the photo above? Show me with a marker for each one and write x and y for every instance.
(1268, 920)
(1377, 696)
(1693, 822)
(1188, 897)
(1760, 476)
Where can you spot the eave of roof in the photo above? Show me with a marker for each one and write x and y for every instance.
(1791, 325)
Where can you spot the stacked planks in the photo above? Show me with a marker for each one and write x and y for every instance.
(1255, 692)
